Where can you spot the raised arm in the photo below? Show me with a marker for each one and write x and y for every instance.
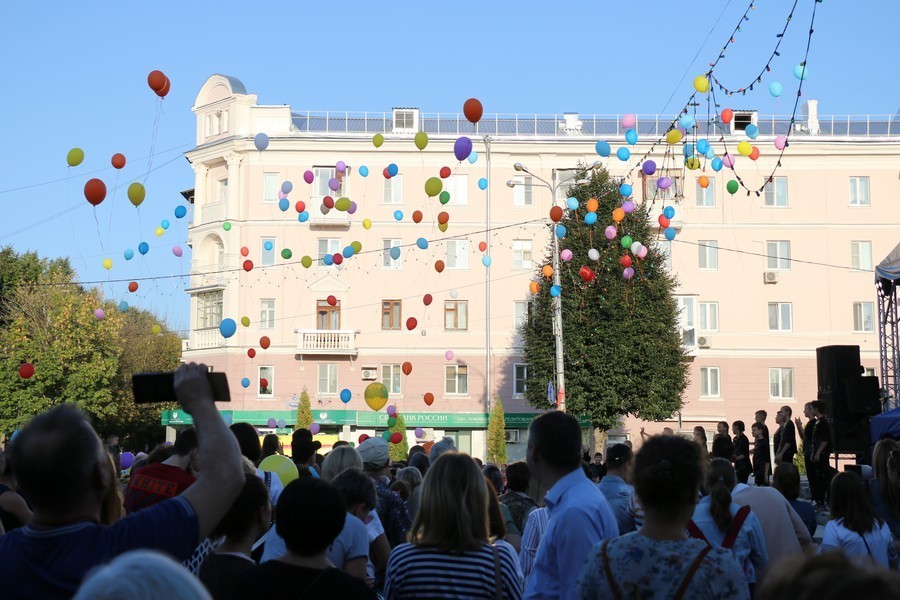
(221, 478)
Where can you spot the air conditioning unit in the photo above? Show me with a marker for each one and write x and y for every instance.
(512, 436)
(704, 341)
(770, 277)
(369, 373)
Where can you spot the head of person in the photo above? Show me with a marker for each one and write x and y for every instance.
(375, 455)
(880, 456)
(340, 444)
(413, 451)
(722, 427)
(410, 475)
(248, 440)
(598, 458)
(452, 522)
(700, 435)
(112, 440)
(339, 460)
(760, 416)
(720, 480)
(668, 431)
(786, 480)
(620, 461)
(141, 575)
(186, 449)
(357, 491)
(478, 462)
(161, 453)
(849, 500)
(250, 513)
(270, 445)
(496, 524)
(827, 576)
(667, 477)
(402, 489)
(445, 444)
(784, 415)
(420, 461)
(722, 447)
(518, 477)
(309, 516)
(737, 428)
(819, 408)
(756, 430)
(303, 451)
(116, 455)
(495, 476)
(554, 445)
(629, 444)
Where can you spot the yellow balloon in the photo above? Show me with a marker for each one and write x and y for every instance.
(281, 466)
(245, 321)
(421, 140)
(673, 137)
(367, 224)
(376, 395)
(156, 329)
(136, 193)
(701, 84)
(744, 148)
(378, 140)
(74, 157)
(693, 163)
(107, 263)
(443, 227)
(160, 231)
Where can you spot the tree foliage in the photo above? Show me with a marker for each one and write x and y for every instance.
(401, 450)
(623, 352)
(496, 434)
(304, 411)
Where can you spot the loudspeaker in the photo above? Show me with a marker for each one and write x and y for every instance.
(850, 398)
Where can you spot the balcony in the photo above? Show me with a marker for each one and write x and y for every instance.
(210, 213)
(323, 341)
(204, 339)
(335, 219)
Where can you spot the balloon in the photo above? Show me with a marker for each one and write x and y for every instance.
(334, 184)
(94, 191)
(180, 211)
(775, 89)
(118, 160)
(669, 212)
(702, 146)
(534, 287)
(398, 215)
(623, 153)
(752, 131)
(123, 306)
(727, 115)
(703, 181)
(395, 252)
(433, 186)
(245, 321)
(629, 121)
(649, 167)
(406, 368)
(448, 355)
(442, 227)
(486, 261)
(248, 265)
(364, 170)
(281, 423)
(636, 247)
(136, 193)
(377, 140)
(251, 353)
(284, 204)
(454, 294)
(428, 398)
(165, 89)
(99, 313)
(572, 203)
(245, 382)
(133, 286)
(626, 241)
(686, 122)
(692, 163)
(444, 197)
(314, 428)
(443, 217)
(663, 221)
(159, 231)
(411, 323)
(593, 254)
(673, 137)
(728, 160)
(590, 218)
(626, 190)
(781, 142)
(556, 214)
(74, 157)
(156, 80)
(346, 395)
(286, 254)
(547, 270)
(107, 263)
(127, 459)
(610, 231)
(396, 437)
(473, 110)
(26, 370)
(701, 84)
(717, 164)
(482, 183)
(300, 206)
(421, 140)
(164, 224)
(586, 274)
(631, 137)
(439, 266)
(303, 217)
(227, 328)
(732, 187)
(282, 466)
(420, 432)
(801, 71)
(628, 273)
(306, 261)
(744, 148)
(628, 207)
(669, 233)
(427, 299)
(332, 301)
(643, 252)
(357, 247)
(286, 187)
(422, 243)
(754, 154)
(561, 231)
(687, 150)
(376, 395)
(245, 251)
(482, 246)
(555, 291)
(177, 251)
(602, 148)
(340, 166)
(342, 204)
(618, 215)
(265, 342)
(462, 148)
(261, 141)
(566, 255)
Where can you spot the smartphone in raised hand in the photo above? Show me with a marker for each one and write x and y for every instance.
(160, 387)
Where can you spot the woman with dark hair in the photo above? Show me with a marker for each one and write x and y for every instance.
(884, 488)
(659, 561)
(722, 523)
(741, 460)
(787, 481)
(14, 511)
(700, 438)
(270, 447)
(854, 527)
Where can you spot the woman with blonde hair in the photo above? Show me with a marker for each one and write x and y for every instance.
(339, 460)
(449, 554)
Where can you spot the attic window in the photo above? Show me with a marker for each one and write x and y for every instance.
(742, 119)
(406, 120)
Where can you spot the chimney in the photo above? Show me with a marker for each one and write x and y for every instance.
(811, 110)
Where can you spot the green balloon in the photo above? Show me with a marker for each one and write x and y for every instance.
(226, 226)
(626, 241)
(387, 435)
(357, 247)
(377, 140)
(433, 186)
(306, 262)
(392, 421)
(444, 197)
(286, 254)
(421, 140)
(342, 204)
(732, 187)
(74, 157)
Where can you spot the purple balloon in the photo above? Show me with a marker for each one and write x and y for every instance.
(281, 195)
(649, 167)
(127, 459)
(610, 232)
(340, 167)
(99, 313)
(176, 250)
(352, 208)
(628, 206)
(314, 428)
(628, 273)
(728, 160)
(462, 148)
(271, 422)
(334, 185)
(308, 177)
(663, 183)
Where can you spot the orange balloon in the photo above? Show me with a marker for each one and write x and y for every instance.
(754, 154)
(407, 368)
(618, 215)
(592, 205)
(133, 286)
(118, 160)
(473, 110)
(165, 89)
(94, 191)
(547, 271)
(556, 213)
(156, 80)
(439, 266)
(265, 342)
(727, 115)
(703, 180)
(245, 250)
(535, 287)
(417, 216)
(429, 398)
(443, 217)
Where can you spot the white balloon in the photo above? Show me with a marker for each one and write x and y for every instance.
(593, 254)
(454, 294)
(635, 247)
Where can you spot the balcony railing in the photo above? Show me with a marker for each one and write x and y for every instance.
(203, 339)
(320, 341)
(210, 213)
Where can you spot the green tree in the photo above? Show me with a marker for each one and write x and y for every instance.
(623, 352)
(496, 434)
(401, 450)
(304, 411)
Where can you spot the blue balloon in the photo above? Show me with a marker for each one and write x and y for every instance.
(164, 224)
(669, 233)
(328, 260)
(395, 252)
(486, 261)
(752, 131)
(303, 217)
(398, 214)
(284, 204)
(15, 434)
(245, 382)
(631, 137)
(129, 254)
(561, 231)
(364, 171)
(717, 164)
(180, 211)
(711, 153)
(572, 203)
(669, 212)
(473, 158)
(143, 247)
(268, 245)
(686, 122)
(393, 170)
(602, 148)
(687, 150)
(227, 328)
(775, 89)
(702, 146)
(590, 218)
(345, 396)
(482, 183)
(123, 306)
(422, 243)
(555, 290)
(626, 190)
(286, 187)
(261, 141)
(348, 252)
(462, 148)
(623, 153)
(801, 72)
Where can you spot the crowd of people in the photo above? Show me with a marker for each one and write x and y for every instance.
(200, 519)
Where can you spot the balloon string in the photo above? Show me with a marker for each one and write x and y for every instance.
(99, 236)
(71, 221)
(153, 139)
(113, 201)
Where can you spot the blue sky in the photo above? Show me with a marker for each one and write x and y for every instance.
(75, 75)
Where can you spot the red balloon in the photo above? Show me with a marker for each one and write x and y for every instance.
(94, 191)
(417, 216)
(625, 261)
(429, 398)
(411, 323)
(265, 342)
(754, 154)
(445, 172)
(245, 250)
(156, 80)
(556, 214)
(482, 246)
(586, 274)
(386, 174)
(443, 217)
(251, 353)
(328, 201)
(248, 265)
(426, 299)
(396, 437)
(473, 110)
(118, 160)
(439, 266)
(331, 300)
(263, 382)
(26, 370)
(133, 286)
(300, 206)
(727, 115)
(165, 89)
(407, 368)
(338, 258)
(663, 221)
(363, 438)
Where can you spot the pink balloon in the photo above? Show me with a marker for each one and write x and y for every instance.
(308, 177)
(314, 428)
(610, 232)
(448, 354)
(728, 160)
(176, 250)
(566, 255)
(340, 167)
(99, 313)
(628, 206)
(643, 252)
(781, 142)
(628, 121)
(628, 273)
(280, 195)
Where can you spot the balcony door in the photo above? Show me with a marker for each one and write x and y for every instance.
(328, 318)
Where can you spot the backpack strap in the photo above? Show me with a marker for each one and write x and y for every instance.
(736, 524)
(691, 572)
(695, 532)
(268, 479)
(609, 576)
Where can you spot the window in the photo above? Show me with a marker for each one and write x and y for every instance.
(406, 120)
(709, 382)
(781, 384)
(522, 255)
(523, 192)
(709, 316)
(456, 380)
(267, 313)
(209, 309)
(777, 192)
(686, 320)
(859, 191)
(521, 312)
(328, 383)
(861, 256)
(780, 317)
(222, 190)
(270, 187)
(390, 377)
(390, 315)
(457, 254)
(386, 261)
(267, 382)
(393, 190)
(323, 176)
(456, 315)
(709, 255)
(328, 318)
(327, 246)
(778, 256)
(665, 250)
(868, 372)
(863, 317)
(458, 188)
(266, 251)
(520, 375)
(706, 197)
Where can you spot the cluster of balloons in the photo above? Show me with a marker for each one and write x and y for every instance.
(159, 83)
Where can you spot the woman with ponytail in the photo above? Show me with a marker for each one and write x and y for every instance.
(720, 522)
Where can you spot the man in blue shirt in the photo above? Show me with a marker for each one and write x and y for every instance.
(580, 517)
(616, 489)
